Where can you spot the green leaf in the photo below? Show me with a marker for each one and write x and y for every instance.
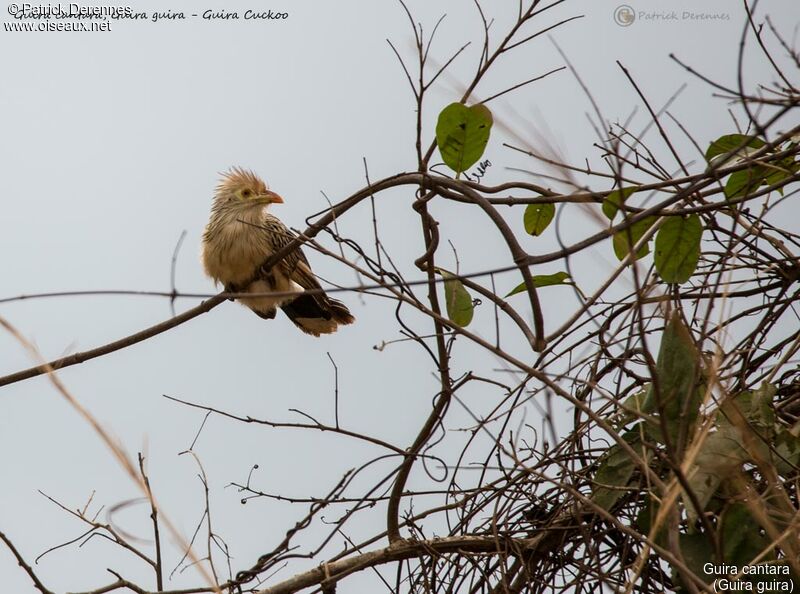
(744, 430)
(741, 537)
(730, 142)
(647, 515)
(756, 408)
(538, 217)
(696, 550)
(742, 542)
(678, 378)
(615, 199)
(543, 280)
(462, 133)
(622, 246)
(678, 248)
(615, 471)
(721, 456)
(781, 170)
(786, 456)
(457, 299)
(745, 182)
(633, 408)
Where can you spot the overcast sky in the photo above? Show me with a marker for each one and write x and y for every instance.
(112, 143)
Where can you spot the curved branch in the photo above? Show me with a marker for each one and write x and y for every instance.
(519, 255)
(328, 574)
(443, 399)
(209, 304)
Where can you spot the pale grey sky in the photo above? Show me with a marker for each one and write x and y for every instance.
(112, 144)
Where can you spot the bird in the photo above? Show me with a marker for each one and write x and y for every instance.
(241, 235)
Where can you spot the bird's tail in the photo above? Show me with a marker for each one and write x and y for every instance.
(318, 314)
(339, 311)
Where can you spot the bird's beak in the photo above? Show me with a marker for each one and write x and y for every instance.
(270, 197)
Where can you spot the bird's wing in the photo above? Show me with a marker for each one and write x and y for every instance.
(295, 265)
(314, 314)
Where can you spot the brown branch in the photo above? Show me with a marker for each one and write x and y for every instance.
(330, 573)
(122, 583)
(329, 217)
(443, 398)
(117, 345)
(27, 568)
(519, 255)
(154, 517)
(276, 424)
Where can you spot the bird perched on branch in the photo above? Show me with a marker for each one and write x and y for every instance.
(241, 235)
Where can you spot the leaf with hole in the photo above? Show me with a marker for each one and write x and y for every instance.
(457, 299)
(543, 280)
(538, 217)
(462, 134)
(678, 248)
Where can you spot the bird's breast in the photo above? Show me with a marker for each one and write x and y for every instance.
(233, 251)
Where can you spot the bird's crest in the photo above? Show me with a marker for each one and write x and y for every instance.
(238, 178)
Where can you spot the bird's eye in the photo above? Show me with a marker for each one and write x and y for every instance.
(246, 193)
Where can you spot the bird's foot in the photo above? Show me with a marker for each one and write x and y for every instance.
(232, 288)
(267, 315)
